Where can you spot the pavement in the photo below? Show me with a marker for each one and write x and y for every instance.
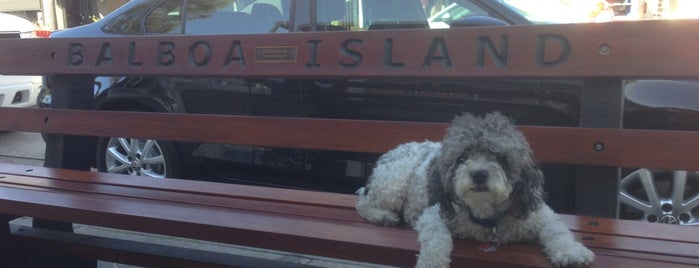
(22, 148)
(28, 149)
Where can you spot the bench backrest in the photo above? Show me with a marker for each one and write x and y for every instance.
(596, 53)
(592, 52)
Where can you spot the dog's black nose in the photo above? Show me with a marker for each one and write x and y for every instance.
(479, 176)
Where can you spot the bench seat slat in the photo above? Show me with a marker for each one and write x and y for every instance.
(343, 205)
(257, 229)
(126, 204)
(216, 224)
(133, 252)
(118, 192)
(630, 228)
(309, 198)
(612, 258)
(213, 193)
(641, 245)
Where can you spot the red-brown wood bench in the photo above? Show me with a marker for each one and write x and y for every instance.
(323, 224)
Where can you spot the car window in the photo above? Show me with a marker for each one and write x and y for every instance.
(213, 17)
(332, 15)
(392, 14)
(548, 11)
(444, 17)
(166, 18)
(128, 22)
(236, 17)
(358, 15)
(267, 16)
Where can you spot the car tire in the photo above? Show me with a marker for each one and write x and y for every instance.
(138, 157)
(662, 196)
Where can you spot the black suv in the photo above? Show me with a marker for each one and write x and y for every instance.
(528, 102)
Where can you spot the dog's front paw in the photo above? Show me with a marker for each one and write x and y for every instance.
(390, 219)
(383, 217)
(575, 255)
(435, 240)
(376, 214)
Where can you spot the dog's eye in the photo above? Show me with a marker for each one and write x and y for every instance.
(462, 158)
(502, 159)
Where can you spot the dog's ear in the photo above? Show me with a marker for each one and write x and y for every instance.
(438, 189)
(528, 192)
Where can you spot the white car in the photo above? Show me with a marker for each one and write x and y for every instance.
(18, 91)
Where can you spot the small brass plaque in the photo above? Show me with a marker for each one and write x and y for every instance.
(275, 54)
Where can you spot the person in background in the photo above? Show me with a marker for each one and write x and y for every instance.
(438, 6)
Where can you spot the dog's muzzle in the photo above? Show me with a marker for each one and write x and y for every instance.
(480, 180)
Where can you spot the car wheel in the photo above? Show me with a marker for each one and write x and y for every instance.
(139, 157)
(662, 196)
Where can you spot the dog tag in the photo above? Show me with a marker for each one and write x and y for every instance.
(488, 247)
(491, 246)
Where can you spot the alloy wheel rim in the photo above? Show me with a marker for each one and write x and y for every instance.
(139, 157)
(660, 196)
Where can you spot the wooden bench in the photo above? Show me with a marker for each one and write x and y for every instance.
(323, 224)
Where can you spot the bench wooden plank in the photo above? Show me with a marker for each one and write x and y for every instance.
(133, 252)
(138, 187)
(630, 228)
(524, 51)
(623, 246)
(608, 258)
(597, 233)
(223, 225)
(257, 229)
(465, 250)
(341, 135)
(641, 245)
(308, 198)
(278, 206)
(27, 174)
(661, 149)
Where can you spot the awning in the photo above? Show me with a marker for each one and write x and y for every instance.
(19, 5)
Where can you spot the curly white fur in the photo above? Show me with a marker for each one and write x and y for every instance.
(434, 238)
(482, 169)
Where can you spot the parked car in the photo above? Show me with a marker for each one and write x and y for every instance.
(528, 102)
(18, 91)
(668, 196)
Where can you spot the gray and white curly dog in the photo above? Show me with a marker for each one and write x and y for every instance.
(480, 182)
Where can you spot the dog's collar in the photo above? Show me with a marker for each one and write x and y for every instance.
(490, 245)
(487, 223)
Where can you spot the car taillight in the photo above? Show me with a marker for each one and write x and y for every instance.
(42, 33)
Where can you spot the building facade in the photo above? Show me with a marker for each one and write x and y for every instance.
(60, 14)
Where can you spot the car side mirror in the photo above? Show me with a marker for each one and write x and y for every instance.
(477, 20)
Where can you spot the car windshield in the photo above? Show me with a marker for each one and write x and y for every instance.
(533, 11)
(551, 11)
(444, 17)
